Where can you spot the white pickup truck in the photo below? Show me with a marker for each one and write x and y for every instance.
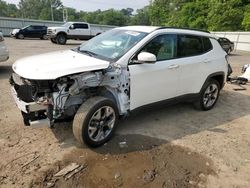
(73, 30)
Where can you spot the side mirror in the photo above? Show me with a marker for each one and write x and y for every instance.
(146, 57)
(72, 27)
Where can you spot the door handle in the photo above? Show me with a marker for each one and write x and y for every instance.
(173, 66)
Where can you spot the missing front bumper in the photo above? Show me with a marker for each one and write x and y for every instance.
(25, 106)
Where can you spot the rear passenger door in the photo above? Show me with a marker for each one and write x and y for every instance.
(80, 31)
(195, 55)
(37, 31)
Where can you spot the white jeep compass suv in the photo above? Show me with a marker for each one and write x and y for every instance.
(115, 73)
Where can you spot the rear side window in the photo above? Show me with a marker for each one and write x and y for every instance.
(207, 44)
(189, 45)
(81, 26)
(37, 27)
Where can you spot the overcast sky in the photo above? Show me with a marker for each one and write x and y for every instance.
(91, 5)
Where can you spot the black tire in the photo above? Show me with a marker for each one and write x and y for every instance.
(53, 40)
(203, 102)
(20, 36)
(85, 121)
(61, 39)
(44, 37)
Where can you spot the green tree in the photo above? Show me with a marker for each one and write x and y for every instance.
(141, 17)
(39, 9)
(246, 20)
(192, 14)
(225, 15)
(8, 10)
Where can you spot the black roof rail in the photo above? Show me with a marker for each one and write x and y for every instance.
(186, 28)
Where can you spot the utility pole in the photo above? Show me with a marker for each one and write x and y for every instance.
(65, 14)
(52, 14)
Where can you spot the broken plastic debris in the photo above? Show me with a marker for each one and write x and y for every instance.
(123, 144)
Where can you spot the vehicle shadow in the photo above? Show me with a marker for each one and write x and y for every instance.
(74, 44)
(152, 127)
(29, 39)
(234, 53)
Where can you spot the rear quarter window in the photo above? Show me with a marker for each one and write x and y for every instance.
(207, 44)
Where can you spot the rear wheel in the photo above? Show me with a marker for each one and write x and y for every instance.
(95, 121)
(61, 39)
(209, 95)
(44, 37)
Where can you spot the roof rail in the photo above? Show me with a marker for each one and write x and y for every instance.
(186, 28)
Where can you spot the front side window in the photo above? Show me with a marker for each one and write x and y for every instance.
(30, 28)
(112, 44)
(163, 47)
(189, 45)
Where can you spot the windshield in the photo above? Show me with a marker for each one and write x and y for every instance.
(112, 44)
(25, 27)
(67, 24)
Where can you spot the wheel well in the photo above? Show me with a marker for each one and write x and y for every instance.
(108, 94)
(220, 79)
(62, 33)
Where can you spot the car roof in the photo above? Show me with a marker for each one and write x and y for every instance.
(78, 22)
(37, 25)
(149, 29)
(145, 29)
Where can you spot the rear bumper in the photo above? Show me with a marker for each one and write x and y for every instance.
(4, 57)
(4, 53)
(24, 106)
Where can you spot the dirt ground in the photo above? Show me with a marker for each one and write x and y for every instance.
(170, 146)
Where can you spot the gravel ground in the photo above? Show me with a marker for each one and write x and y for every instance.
(170, 146)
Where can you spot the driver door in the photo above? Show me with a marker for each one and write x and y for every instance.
(153, 82)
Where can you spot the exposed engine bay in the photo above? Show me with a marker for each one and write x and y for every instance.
(60, 99)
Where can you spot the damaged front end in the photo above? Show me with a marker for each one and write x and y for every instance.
(49, 101)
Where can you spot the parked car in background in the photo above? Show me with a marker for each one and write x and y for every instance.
(4, 53)
(226, 44)
(73, 30)
(31, 31)
(115, 73)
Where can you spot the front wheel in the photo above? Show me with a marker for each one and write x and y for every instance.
(61, 39)
(208, 96)
(53, 40)
(20, 36)
(95, 121)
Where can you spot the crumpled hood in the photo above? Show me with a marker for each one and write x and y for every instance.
(53, 65)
